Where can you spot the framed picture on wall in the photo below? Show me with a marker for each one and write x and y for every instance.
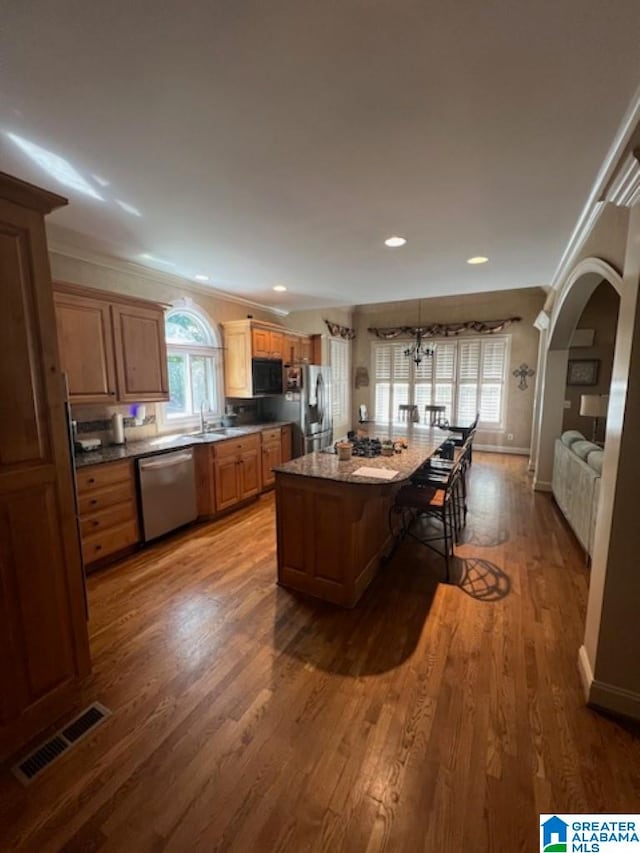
(583, 371)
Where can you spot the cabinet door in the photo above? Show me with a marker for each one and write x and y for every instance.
(286, 449)
(141, 353)
(249, 473)
(271, 455)
(227, 482)
(306, 350)
(237, 363)
(261, 341)
(85, 341)
(43, 633)
(277, 344)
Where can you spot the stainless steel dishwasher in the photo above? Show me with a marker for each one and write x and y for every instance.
(167, 492)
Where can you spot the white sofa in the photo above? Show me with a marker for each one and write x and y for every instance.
(577, 466)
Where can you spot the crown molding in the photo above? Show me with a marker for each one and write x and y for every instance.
(624, 190)
(598, 195)
(58, 247)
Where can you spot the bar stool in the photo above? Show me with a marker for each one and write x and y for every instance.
(434, 414)
(408, 412)
(435, 499)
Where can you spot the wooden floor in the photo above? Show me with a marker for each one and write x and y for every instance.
(430, 718)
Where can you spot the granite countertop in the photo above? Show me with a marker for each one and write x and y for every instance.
(327, 466)
(166, 443)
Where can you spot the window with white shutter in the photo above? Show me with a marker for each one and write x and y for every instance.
(340, 372)
(466, 375)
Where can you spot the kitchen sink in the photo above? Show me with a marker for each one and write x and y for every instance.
(218, 432)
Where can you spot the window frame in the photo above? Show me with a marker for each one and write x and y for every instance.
(212, 350)
(456, 382)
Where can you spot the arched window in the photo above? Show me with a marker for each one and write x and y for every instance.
(193, 357)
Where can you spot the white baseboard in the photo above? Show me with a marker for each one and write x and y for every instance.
(607, 697)
(541, 486)
(501, 448)
(586, 674)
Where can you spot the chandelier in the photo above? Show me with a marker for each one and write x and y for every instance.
(417, 351)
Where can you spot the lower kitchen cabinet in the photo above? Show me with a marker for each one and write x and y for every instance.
(107, 509)
(286, 440)
(271, 455)
(236, 470)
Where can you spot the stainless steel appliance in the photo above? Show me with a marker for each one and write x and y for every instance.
(309, 409)
(167, 492)
(267, 375)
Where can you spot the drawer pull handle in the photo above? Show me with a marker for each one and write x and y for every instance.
(94, 501)
(98, 547)
(95, 523)
(91, 480)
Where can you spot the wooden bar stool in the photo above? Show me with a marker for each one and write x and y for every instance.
(434, 415)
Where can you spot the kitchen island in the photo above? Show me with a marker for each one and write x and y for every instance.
(332, 523)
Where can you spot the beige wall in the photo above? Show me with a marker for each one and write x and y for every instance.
(525, 303)
(601, 315)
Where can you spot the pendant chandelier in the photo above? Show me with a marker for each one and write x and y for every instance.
(417, 351)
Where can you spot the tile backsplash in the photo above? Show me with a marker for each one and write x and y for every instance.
(94, 421)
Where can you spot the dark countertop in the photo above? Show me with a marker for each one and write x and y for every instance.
(164, 444)
(327, 466)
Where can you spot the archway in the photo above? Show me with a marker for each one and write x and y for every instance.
(567, 310)
(608, 660)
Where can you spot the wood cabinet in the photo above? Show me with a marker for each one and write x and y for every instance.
(247, 339)
(85, 336)
(271, 455)
(141, 353)
(286, 443)
(111, 347)
(107, 509)
(43, 631)
(236, 470)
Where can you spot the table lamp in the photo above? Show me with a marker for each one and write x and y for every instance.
(594, 406)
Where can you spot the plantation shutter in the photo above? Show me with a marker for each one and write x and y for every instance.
(492, 380)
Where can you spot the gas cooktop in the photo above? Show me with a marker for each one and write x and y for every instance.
(364, 447)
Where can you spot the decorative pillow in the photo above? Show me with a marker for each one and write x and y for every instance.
(594, 460)
(571, 436)
(583, 448)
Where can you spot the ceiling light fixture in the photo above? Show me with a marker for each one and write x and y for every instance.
(477, 259)
(395, 241)
(417, 351)
(200, 277)
(280, 288)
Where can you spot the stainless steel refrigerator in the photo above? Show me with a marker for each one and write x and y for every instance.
(308, 408)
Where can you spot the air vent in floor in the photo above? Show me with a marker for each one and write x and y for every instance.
(31, 766)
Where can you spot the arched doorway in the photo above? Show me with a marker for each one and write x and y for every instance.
(608, 659)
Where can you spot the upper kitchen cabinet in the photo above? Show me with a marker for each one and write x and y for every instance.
(112, 347)
(245, 340)
(43, 630)
(85, 337)
(141, 352)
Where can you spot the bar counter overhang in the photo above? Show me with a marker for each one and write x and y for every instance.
(332, 526)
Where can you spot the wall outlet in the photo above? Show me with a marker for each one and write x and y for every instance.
(509, 436)
(567, 404)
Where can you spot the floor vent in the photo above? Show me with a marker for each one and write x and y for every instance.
(31, 766)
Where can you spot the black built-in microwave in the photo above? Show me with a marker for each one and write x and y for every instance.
(267, 376)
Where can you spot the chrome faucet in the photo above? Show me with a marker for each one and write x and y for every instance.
(203, 422)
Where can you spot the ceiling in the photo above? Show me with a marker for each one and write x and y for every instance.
(280, 142)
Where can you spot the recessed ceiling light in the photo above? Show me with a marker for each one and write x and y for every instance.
(477, 259)
(279, 287)
(395, 242)
(200, 277)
